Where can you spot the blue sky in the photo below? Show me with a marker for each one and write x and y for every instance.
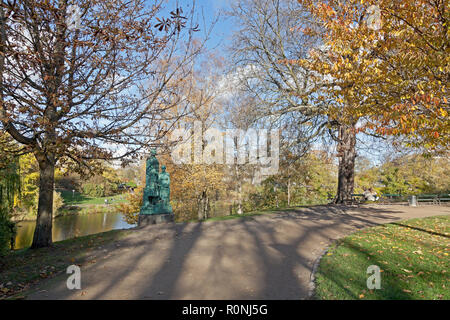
(221, 40)
(210, 9)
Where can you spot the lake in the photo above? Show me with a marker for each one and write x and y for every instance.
(72, 226)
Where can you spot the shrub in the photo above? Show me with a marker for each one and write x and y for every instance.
(130, 209)
(93, 190)
(58, 202)
(7, 231)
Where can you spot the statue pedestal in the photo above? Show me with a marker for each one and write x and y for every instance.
(146, 219)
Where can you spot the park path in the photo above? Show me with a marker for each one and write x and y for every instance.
(261, 257)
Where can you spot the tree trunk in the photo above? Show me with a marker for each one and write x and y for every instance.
(239, 210)
(238, 188)
(289, 192)
(43, 232)
(347, 154)
(203, 204)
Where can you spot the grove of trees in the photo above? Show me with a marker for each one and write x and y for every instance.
(348, 67)
(82, 86)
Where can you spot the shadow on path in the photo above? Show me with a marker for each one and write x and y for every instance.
(260, 257)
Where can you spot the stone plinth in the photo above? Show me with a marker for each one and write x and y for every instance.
(146, 219)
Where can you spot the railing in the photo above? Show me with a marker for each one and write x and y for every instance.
(391, 197)
(433, 198)
(395, 197)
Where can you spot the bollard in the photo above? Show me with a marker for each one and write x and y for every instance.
(412, 201)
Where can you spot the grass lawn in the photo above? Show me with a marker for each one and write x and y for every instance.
(249, 214)
(80, 199)
(413, 256)
(23, 268)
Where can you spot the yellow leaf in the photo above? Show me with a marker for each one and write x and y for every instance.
(408, 271)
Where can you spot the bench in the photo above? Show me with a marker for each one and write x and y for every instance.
(443, 198)
(428, 198)
(389, 197)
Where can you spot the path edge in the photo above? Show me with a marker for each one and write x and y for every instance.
(312, 279)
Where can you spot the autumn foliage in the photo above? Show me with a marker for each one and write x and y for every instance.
(386, 62)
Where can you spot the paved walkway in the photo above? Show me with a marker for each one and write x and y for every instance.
(262, 257)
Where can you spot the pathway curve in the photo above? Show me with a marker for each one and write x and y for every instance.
(261, 257)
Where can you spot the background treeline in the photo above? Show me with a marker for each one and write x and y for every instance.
(212, 191)
(405, 175)
(313, 180)
(202, 191)
(70, 187)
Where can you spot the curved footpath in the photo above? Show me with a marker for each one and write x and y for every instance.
(262, 257)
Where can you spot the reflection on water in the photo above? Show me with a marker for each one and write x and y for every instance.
(73, 226)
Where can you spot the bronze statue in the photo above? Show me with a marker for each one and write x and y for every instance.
(157, 188)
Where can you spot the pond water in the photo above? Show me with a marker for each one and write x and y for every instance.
(72, 226)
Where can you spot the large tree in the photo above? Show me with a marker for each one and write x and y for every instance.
(389, 61)
(267, 49)
(386, 68)
(76, 82)
(378, 67)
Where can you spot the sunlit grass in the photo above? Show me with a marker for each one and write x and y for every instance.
(413, 257)
(80, 199)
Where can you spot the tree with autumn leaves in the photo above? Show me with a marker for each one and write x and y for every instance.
(195, 184)
(343, 67)
(395, 72)
(384, 65)
(277, 68)
(79, 80)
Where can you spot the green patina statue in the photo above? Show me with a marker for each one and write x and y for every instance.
(157, 188)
